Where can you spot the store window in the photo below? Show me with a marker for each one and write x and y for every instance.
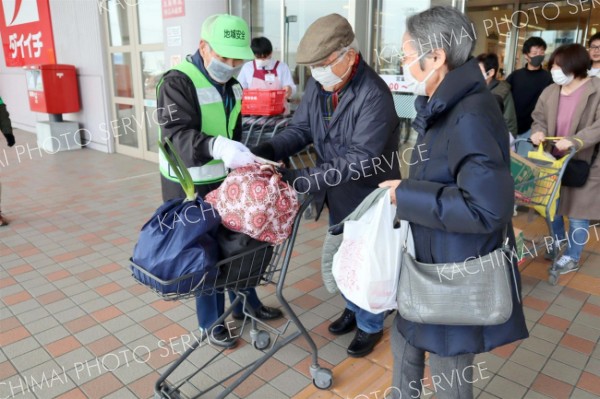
(300, 14)
(504, 28)
(494, 34)
(150, 24)
(389, 25)
(561, 23)
(136, 54)
(284, 22)
(118, 24)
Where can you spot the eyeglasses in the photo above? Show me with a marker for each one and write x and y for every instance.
(594, 48)
(334, 62)
(403, 56)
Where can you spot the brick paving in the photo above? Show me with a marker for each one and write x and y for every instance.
(67, 298)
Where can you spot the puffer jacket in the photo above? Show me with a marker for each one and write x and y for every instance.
(458, 199)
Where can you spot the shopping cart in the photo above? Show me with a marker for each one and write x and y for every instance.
(537, 186)
(258, 129)
(270, 272)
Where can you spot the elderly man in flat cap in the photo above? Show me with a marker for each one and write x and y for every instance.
(347, 112)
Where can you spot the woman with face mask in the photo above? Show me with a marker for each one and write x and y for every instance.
(458, 197)
(569, 108)
(264, 72)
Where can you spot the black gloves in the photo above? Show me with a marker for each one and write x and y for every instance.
(264, 150)
(10, 139)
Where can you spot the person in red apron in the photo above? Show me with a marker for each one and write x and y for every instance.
(264, 78)
(264, 73)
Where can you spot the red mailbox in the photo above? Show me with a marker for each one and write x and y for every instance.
(53, 89)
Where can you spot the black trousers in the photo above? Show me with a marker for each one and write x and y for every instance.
(5, 125)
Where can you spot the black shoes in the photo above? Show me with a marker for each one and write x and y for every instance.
(344, 324)
(220, 337)
(262, 313)
(363, 343)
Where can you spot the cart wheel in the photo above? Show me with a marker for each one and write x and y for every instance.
(175, 394)
(553, 278)
(323, 378)
(262, 340)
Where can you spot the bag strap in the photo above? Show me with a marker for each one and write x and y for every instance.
(508, 252)
(596, 149)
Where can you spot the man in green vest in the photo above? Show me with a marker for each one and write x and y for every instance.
(199, 104)
(6, 128)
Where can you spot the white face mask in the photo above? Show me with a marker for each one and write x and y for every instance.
(263, 64)
(325, 76)
(485, 76)
(220, 71)
(418, 88)
(559, 77)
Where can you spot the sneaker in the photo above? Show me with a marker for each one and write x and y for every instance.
(3, 222)
(549, 256)
(565, 264)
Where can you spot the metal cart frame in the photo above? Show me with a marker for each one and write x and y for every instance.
(272, 273)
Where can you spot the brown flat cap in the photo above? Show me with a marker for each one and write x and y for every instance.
(324, 36)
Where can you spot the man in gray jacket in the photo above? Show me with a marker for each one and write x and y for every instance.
(347, 113)
(489, 65)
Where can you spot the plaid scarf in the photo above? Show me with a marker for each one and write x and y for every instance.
(330, 99)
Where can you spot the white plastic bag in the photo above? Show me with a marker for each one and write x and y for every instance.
(366, 267)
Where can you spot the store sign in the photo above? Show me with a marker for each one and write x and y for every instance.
(173, 36)
(173, 8)
(396, 83)
(26, 31)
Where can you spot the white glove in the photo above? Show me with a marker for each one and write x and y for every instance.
(233, 153)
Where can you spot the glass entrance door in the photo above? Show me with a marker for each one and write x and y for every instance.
(135, 38)
(557, 23)
(284, 22)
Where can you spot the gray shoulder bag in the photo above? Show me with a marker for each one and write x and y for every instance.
(476, 292)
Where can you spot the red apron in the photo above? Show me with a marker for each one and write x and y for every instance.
(265, 79)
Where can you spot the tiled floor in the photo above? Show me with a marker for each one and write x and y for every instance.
(74, 323)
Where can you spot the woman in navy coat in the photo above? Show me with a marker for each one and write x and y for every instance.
(458, 198)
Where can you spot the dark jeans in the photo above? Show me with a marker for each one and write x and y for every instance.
(210, 307)
(451, 377)
(368, 322)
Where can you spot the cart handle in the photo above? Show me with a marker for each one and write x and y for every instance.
(572, 149)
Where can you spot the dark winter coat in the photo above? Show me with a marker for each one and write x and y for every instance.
(458, 198)
(355, 153)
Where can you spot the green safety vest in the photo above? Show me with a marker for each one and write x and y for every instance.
(214, 123)
(1, 102)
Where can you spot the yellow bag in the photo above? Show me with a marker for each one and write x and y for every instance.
(547, 179)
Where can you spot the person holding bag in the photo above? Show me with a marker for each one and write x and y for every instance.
(458, 200)
(570, 108)
(199, 111)
(347, 113)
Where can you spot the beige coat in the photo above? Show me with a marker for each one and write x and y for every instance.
(583, 202)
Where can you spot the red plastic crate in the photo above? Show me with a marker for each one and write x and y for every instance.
(263, 102)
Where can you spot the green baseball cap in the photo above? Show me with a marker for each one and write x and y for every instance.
(228, 36)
